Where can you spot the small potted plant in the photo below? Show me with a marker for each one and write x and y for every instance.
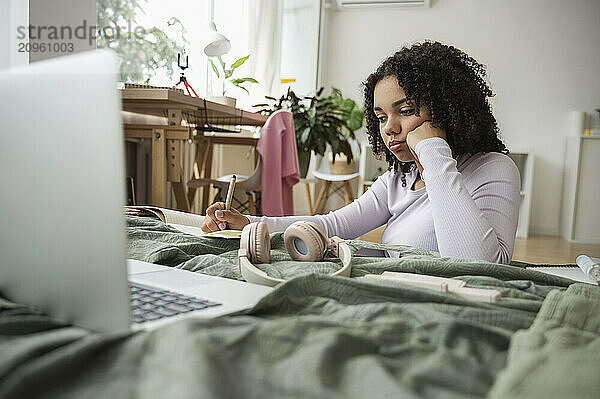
(225, 74)
(320, 121)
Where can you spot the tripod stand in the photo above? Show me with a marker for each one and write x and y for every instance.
(182, 78)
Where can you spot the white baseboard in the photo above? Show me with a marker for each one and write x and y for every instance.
(584, 241)
(543, 231)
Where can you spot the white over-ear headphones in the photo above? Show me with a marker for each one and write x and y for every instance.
(305, 241)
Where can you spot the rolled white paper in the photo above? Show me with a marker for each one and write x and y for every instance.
(589, 266)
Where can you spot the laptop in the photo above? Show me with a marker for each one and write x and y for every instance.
(62, 235)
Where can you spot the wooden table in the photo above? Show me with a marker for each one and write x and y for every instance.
(183, 115)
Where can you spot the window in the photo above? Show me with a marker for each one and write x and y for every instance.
(148, 36)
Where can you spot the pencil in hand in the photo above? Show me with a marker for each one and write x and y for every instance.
(230, 192)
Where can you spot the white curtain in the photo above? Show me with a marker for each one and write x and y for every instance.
(264, 43)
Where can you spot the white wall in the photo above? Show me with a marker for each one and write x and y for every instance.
(4, 34)
(543, 59)
(59, 13)
(13, 13)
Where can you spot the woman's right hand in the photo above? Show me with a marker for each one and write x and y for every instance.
(217, 219)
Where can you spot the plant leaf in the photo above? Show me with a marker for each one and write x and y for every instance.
(214, 68)
(356, 120)
(348, 104)
(239, 62)
(304, 136)
(242, 80)
(320, 148)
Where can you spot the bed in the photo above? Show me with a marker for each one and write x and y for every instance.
(318, 336)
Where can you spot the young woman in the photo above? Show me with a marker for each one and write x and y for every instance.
(450, 186)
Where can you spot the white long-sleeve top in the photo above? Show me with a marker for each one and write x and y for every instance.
(469, 210)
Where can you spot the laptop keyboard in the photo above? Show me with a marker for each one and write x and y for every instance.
(149, 303)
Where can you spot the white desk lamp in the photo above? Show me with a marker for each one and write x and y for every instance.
(216, 43)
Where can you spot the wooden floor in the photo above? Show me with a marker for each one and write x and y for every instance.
(539, 249)
(544, 249)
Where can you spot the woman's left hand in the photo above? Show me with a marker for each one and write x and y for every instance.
(424, 131)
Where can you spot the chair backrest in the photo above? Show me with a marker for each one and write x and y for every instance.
(252, 183)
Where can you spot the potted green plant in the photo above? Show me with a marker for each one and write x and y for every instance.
(319, 121)
(225, 74)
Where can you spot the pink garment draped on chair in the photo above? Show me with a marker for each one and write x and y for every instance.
(280, 170)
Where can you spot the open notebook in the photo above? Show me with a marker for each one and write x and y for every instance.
(569, 271)
(189, 223)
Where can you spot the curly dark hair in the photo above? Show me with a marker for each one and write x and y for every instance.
(452, 87)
